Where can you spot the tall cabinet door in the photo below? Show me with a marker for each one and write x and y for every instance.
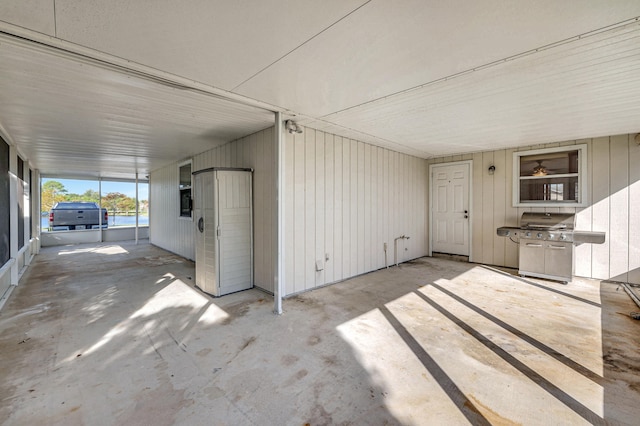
(234, 231)
(206, 241)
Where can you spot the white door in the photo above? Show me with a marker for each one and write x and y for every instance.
(235, 234)
(450, 208)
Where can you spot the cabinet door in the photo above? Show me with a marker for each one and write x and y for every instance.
(532, 256)
(559, 259)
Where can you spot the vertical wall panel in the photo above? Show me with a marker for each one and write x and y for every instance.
(166, 228)
(368, 217)
(584, 219)
(499, 212)
(346, 208)
(383, 162)
(476, 208)
(634, 211)
(299, 220)
(361, 208)
(320, 208)
(329, 194)
(619, 213)
(487, 209)
(338, 212)
(356, 208)
(374, 230)
(310, 208)
(601, 206)
(289, 244)
(511, 214)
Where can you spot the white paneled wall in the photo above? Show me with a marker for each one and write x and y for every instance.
(343, 200)
(166, 228)
(172, 233)
(614, 194)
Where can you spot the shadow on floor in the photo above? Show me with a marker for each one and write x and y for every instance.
(117, 333)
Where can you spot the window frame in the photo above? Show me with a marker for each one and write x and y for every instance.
(582, 178)
(182, 216)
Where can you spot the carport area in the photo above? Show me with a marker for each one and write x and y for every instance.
(116, 333)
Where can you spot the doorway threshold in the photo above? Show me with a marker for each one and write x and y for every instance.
(454, 257)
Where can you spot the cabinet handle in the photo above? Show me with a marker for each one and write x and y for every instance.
(533, 245)
(557, 247)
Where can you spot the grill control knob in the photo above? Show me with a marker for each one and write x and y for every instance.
(528, 234)
(563, 237)
(551, 236)
(539, 235)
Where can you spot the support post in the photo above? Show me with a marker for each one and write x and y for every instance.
(279, 240)
(37, 208)
(100, 216)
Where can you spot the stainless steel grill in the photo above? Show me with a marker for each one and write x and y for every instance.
(546, 244)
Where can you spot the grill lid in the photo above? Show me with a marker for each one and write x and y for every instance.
(535, 220)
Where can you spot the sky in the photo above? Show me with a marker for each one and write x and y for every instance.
(74, 186)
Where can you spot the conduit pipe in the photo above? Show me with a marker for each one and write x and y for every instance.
(395, 247)
(386, 264)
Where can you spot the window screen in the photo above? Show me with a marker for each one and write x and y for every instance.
(5, 242)
(20, 196)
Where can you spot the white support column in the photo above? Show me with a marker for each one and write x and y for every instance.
(136, 208)
(279, 240)
(100, 216)
(36, 207)
(13, 212)
(28, 213)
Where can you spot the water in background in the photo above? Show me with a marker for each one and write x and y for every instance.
(119, 221)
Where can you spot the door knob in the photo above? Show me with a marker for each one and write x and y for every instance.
(201, 225)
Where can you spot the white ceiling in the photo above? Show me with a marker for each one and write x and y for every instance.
(428, 78)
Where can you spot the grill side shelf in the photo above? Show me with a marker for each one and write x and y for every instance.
(590, 237)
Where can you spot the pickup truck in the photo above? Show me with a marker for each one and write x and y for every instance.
(77, 215)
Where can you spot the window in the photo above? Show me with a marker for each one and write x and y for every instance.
(550, 177)
(116, 197)
(5, 210)
(185, 189)
(20, 199)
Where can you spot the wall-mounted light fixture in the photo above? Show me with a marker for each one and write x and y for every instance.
(637, 138)
(292, 127)
(492, 169)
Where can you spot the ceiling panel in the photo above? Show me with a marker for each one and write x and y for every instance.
(387, 47)
(217, 42)
(580, 89)
(76, 117)
(38, 15)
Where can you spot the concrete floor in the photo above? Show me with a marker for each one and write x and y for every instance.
(117, 334)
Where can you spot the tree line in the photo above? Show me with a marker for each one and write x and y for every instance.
(54, 192)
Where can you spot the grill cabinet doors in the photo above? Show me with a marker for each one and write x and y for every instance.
(546, 259)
